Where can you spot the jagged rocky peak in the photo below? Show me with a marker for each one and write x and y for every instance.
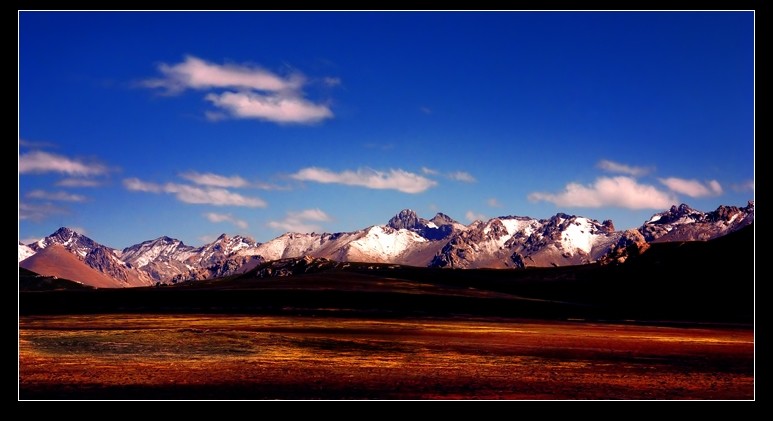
(631, 243)
(684, 223)
(406, 219)
(160, 241)
(441, 219)
(440, 227)
(74, 242)
(495, 228)
(64, 236)
(677, 213)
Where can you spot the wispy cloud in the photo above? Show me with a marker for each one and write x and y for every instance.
(78, 182)
(255, 92)
(381, 146)
(29, 240)
(195, 73)
(276, 108)
(747, 185)
(212, 196)
(394, 179)
(269, 186)
(196, 195)
(301, 221)
(226, 217)
(463, 176)
(494, 203)
(472, 216)
(620, 191)
(79, 230)
(425, 110)
(206, 239)
(692, 188)
(331, 81)
(214, 180)
(38, 212)
(60, 196)
(135, 184)
(618, 168)
(44, 162)
(35, 145)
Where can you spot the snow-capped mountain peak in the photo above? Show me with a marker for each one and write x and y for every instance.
(161, 249)
(684, 223)
(408, 239)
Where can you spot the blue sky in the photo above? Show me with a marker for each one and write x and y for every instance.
(191, 124)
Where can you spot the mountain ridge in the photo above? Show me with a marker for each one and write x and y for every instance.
(406, 239)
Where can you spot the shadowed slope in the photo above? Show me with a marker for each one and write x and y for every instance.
(55, 260)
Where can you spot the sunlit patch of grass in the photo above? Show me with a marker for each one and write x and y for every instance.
(382, 358)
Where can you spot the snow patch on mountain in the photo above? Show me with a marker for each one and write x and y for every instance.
(579, 235)
(25, 251)
(384, 243)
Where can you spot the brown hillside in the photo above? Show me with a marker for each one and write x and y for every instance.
(55, 260)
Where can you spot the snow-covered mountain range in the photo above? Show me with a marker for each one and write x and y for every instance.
(501, 242)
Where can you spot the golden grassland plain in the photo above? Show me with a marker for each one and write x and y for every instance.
(141, 356)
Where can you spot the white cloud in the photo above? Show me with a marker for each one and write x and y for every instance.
(215, 180)
(616, 167)
(618, 191)
(715, 187)
(299, 221)
(135, 184)
(43, 162)
(212, 196)
(60, 196)
(78, 182)
(310, 215)
(472, 216)
(196, 195)
(429, 171)
(494, 203)
(226, 217)
(461, 176)
(38, 212)
(196, 73)
(399, 180)
(276, 108)
(692, 188)
(253, 92)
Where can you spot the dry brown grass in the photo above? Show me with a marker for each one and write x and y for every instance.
(119, 356)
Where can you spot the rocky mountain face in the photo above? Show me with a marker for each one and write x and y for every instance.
(406, 239)
(514, 241)
(95, 255)
(439, 227)
(683, 223)
(631, 243)
(169, 260)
